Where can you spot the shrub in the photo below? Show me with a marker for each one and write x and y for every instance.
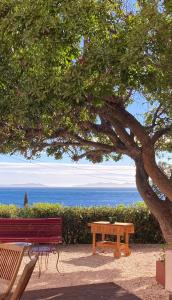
(76, 219)
(8, 211)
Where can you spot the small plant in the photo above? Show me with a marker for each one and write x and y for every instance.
(163, 249)
(162, 253)
(112, 219)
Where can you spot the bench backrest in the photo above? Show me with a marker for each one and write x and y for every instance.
(29, 227)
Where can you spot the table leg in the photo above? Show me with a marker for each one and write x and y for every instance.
(46, 260)
(94, 243)
(58, 255)
(103, 237)
(40, 263)
(127, 249)
(117, 253)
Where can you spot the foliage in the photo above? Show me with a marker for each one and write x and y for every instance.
(70, 72)
(76, 219)
(8, 211)
(162, 253)
(63, 63)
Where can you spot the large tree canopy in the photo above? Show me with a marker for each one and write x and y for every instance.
(69, 72)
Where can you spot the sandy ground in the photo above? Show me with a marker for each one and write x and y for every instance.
(78, 266)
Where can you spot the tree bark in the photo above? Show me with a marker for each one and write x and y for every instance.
(148, 152)
(157, 176)
(162, 210)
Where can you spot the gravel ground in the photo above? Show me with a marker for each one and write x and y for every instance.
(78, 266)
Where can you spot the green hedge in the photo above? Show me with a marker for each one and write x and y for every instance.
(75, 220)
(8, 211)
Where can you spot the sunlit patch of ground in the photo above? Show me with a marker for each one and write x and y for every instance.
(78, 266)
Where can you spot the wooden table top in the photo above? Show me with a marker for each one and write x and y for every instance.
(106, 226)
(115, 223)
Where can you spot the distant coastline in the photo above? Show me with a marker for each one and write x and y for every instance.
(65, 187)
(66, 175)
(30, 185)
(94, 185)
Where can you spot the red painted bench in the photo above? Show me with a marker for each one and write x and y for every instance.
(31, 230)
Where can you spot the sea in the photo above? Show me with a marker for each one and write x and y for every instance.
(70, 196)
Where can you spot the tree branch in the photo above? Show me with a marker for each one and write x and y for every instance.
(103, 129)
(128, 121)
(95, 154)
(158, 134)
(131, 148)
(155, 116)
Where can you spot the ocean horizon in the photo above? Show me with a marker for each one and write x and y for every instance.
(70, 196)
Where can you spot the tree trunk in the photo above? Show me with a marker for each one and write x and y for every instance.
(157, 176)
(162, 210)
(148, 152)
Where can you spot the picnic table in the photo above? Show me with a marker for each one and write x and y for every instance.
(117, 229)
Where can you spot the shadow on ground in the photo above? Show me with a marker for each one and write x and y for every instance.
(144, 286)
(99, 291)
(92, 261)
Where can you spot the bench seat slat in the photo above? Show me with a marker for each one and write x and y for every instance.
(28, 228)
(32, 239)
(38, 230)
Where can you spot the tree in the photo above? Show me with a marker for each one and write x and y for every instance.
(26, 201)
(70, 70)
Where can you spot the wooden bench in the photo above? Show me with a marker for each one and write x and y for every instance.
(31, 230)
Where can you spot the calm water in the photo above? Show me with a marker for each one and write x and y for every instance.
(71, 196)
